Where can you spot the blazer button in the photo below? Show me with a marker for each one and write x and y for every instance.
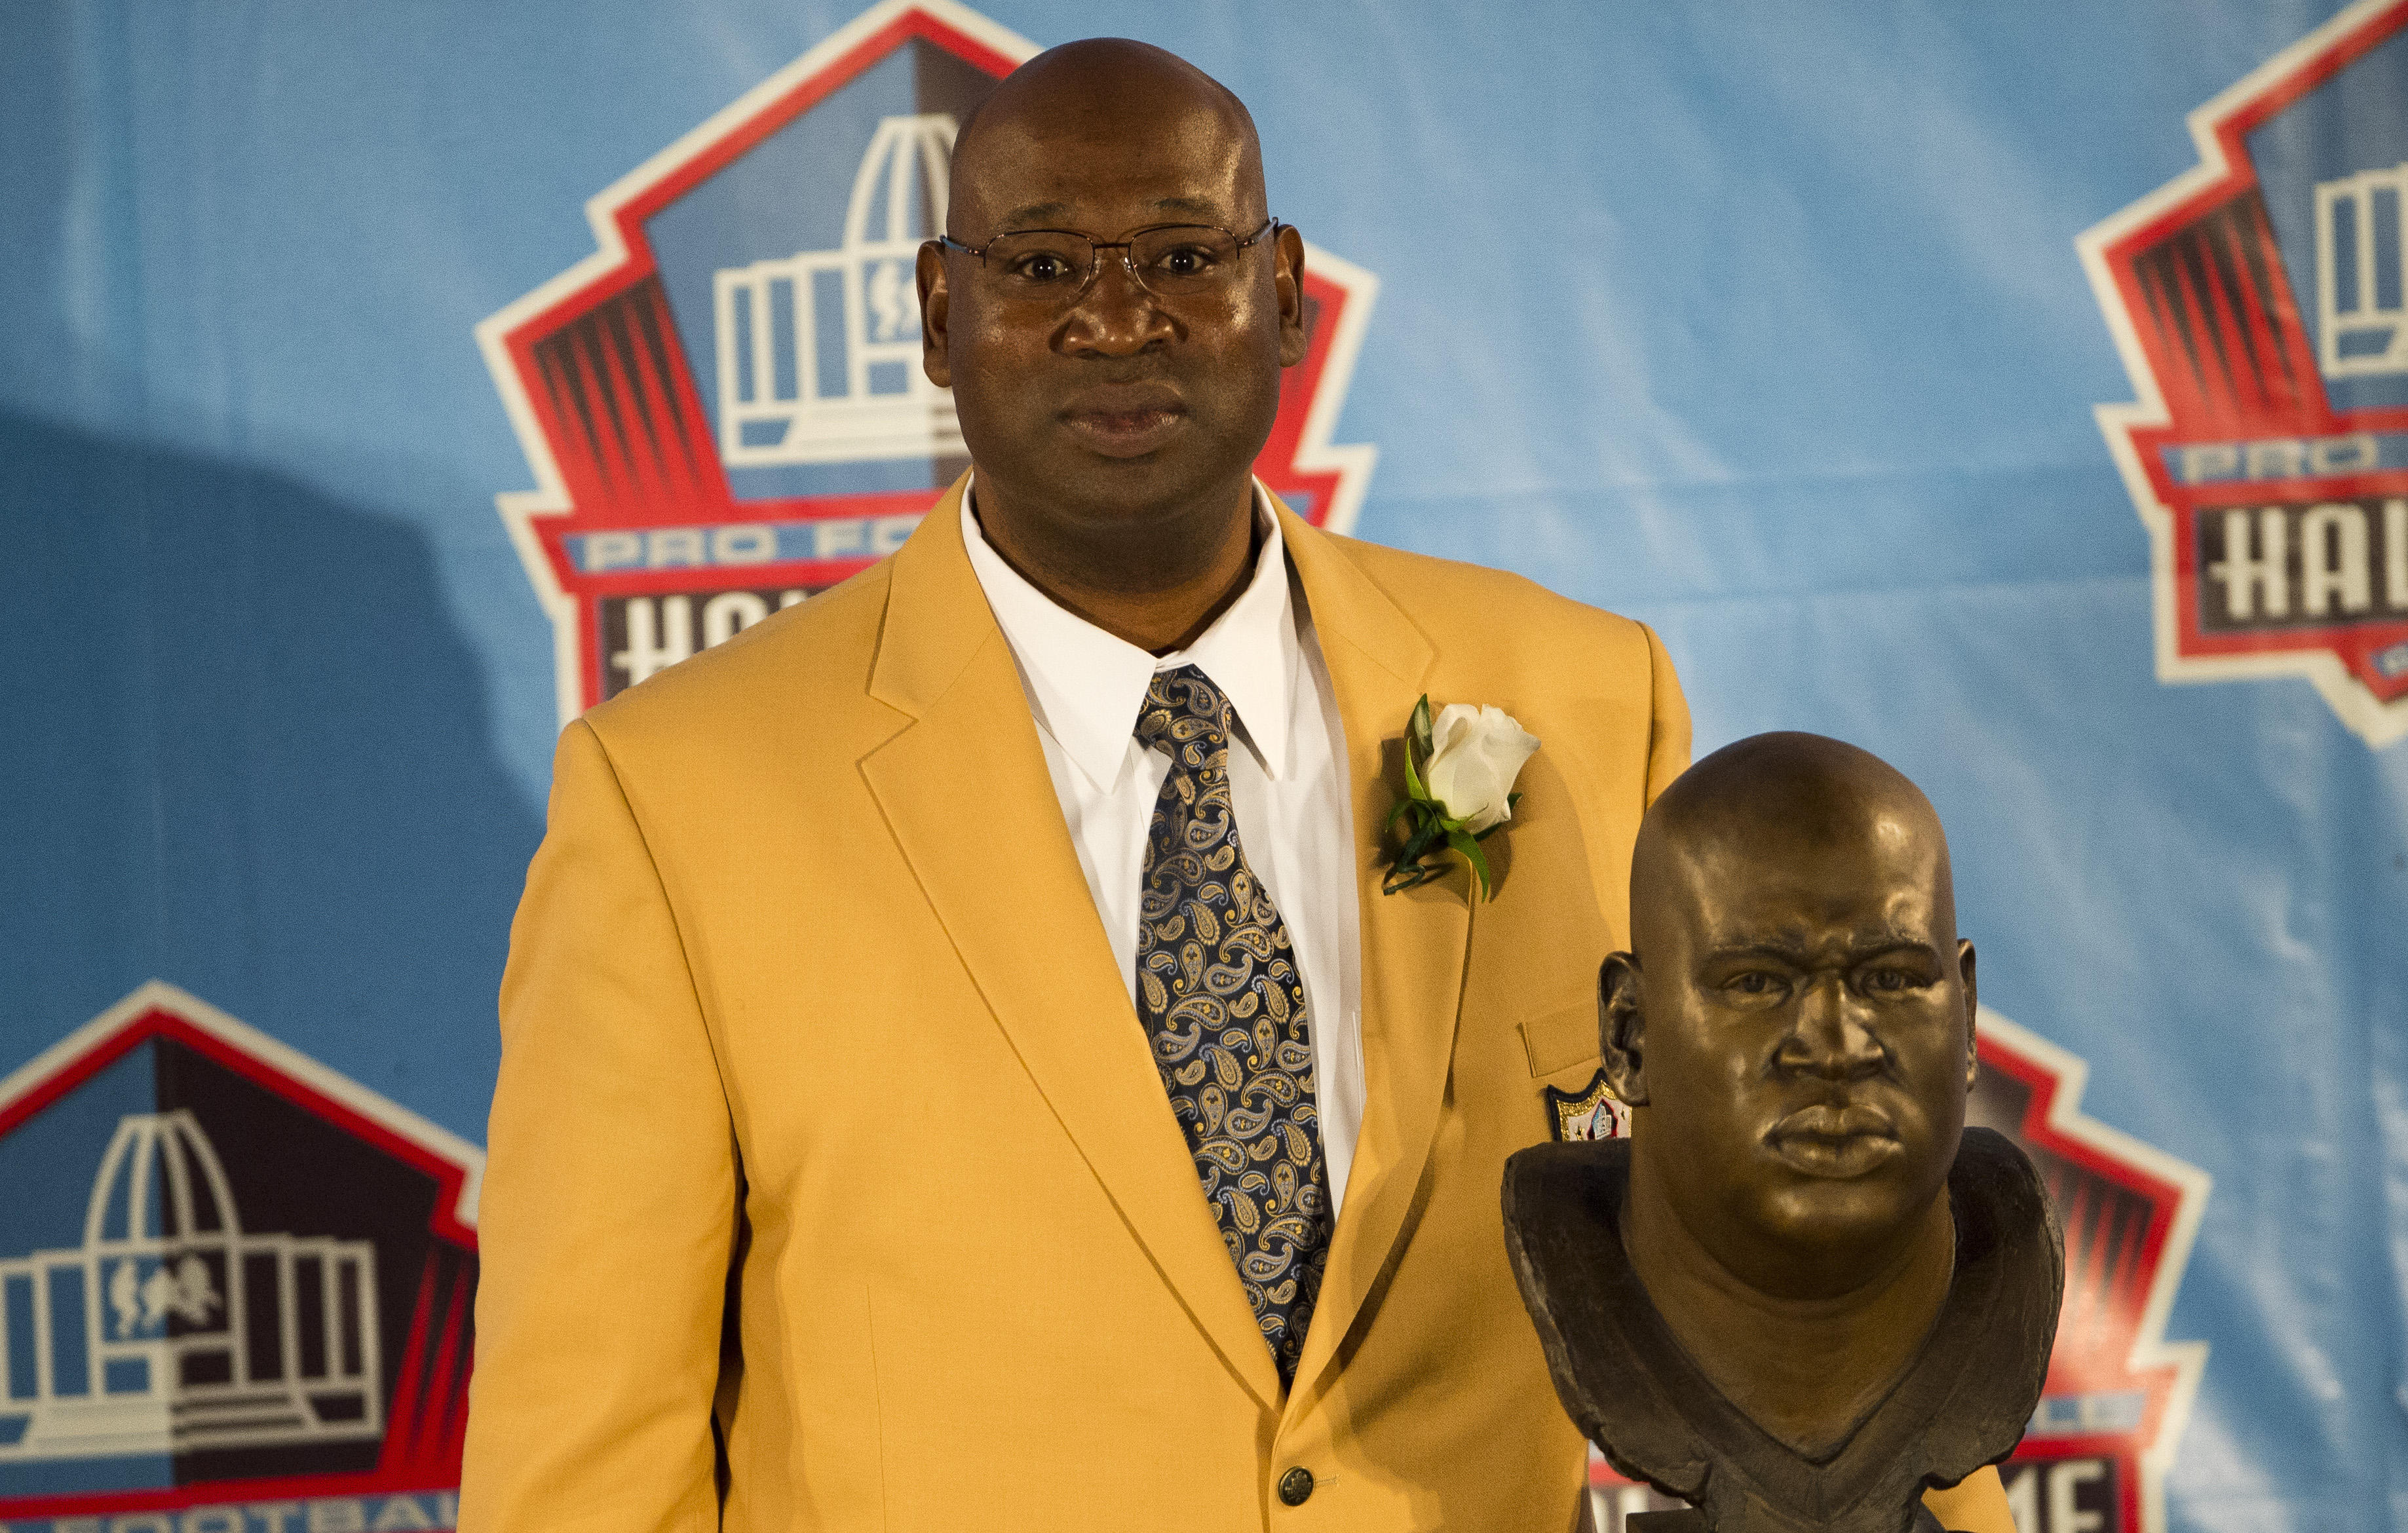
(1296, 1486)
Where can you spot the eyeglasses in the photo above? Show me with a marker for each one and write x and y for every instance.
(1168, 260)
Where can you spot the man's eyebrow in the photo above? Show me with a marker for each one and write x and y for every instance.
(1035, 215)
(1025, 217)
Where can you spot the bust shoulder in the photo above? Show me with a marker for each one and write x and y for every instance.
(1628, 1384)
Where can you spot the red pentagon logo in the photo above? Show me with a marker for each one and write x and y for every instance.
(2256, 300)
(236, 1288)
(723, 405)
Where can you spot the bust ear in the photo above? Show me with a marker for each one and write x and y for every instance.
(1621, 1026)
(1972, 1006)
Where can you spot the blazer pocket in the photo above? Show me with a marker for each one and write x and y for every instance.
(1562, 1039)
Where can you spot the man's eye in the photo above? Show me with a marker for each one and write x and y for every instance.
(1040, 268)
(1889, 981)
(1186, 261)
(1756, 981)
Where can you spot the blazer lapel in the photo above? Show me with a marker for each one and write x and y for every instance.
(1413, 943)
(965, 792)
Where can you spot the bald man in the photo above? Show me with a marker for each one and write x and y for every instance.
(1832, 1254)
(858, 1160)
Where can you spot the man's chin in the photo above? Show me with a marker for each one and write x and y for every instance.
(1110, 495)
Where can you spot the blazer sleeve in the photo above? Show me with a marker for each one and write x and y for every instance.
(1668, 745)
(607, 1215)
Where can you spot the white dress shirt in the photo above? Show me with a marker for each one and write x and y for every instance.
(1287, 783)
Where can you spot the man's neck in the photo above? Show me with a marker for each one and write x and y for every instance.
(1807, 1370)
(1157, 581)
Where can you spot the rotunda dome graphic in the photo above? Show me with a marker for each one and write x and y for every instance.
(172, 1330)
(818, 352)
(2362, 226)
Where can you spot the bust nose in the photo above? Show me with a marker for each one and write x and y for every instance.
(1831, 1039)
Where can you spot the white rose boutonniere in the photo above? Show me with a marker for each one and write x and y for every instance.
(1459, 772)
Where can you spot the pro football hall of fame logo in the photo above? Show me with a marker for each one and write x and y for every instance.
(235, 1288)
(2258, 302)
(2093, 1455)
(722, 405)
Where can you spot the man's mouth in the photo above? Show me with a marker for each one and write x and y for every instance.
(1126, 428)
(1840, 1143)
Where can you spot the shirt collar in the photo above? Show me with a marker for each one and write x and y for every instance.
(1086, 686)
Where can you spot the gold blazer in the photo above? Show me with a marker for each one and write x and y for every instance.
(825, 1127)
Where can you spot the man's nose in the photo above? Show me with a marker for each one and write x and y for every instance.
(1831, 1039)
(1116, 315)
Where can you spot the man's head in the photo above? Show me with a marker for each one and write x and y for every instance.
(1794, 1018)
(1113, 403)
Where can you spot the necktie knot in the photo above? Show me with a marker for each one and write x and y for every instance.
(1183, 713)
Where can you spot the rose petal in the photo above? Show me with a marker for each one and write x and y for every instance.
(1475, 755)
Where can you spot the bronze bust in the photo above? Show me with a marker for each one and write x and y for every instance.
(1802, 1291)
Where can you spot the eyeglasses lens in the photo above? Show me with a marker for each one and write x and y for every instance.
(1180, 260)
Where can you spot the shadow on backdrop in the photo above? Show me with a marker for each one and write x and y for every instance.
(244, 749)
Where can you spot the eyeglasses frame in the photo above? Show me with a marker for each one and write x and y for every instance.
(1125, 245)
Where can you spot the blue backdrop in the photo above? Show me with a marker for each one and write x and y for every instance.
(1764, 323)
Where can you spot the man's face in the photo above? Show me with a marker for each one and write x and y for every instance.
(1121, 400)
(1807, 1039)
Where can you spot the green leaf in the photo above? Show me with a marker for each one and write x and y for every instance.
(1418, 730)
(1426, 837)
(1477, 858)
(1412, 779)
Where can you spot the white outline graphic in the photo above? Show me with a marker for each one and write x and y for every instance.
(158, 995)
(520, 510)
(849, 419)
(160, 1250)
(2377, 722)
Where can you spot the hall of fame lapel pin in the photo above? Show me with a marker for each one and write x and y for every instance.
(1589, 1114)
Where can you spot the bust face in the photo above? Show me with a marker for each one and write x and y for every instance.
(1806, 1039)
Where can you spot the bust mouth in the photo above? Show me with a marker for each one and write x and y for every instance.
(1835, 1142)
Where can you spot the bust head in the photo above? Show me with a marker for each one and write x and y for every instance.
(1794, 1020)
(1802, 1292)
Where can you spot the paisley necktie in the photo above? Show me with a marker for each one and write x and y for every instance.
(1223, 1005)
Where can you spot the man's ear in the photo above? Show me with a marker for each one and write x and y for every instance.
(935, 309)
(1287, 278)
(1622, 1027)
(1972, 1006)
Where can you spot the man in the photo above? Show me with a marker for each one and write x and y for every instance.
(882, 1139)
(1855, 1293)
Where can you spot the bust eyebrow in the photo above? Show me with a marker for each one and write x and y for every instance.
(1791, 955)
(1798, 955)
